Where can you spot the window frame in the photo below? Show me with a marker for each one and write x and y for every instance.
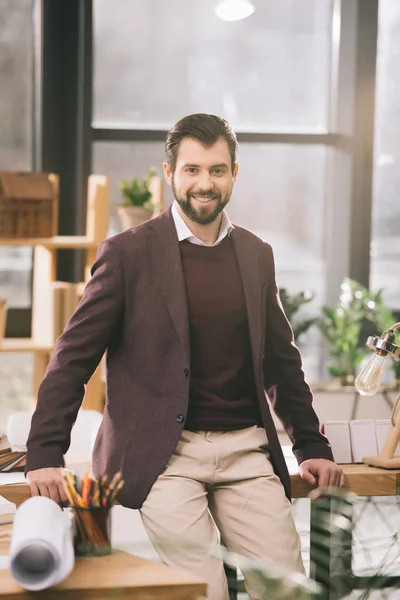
(68, 24)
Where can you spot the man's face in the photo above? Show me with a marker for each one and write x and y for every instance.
(203, 180)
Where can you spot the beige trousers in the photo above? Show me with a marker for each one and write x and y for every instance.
(221, 480)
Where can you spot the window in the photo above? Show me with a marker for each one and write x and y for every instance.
(279, 195)
(16, 99)
(16, 68)
(385, 245)
(269, 71)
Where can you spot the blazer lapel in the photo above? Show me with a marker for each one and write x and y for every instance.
(168, 268)
(248, 256)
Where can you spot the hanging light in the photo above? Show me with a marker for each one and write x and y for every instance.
(234, 10)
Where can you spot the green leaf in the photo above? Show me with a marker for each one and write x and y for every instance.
(135, 192)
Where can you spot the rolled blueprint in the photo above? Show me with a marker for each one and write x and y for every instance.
(41, 550)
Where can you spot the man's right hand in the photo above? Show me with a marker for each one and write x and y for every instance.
(48, 482)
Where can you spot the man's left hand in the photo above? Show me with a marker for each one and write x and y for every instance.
(324, 472)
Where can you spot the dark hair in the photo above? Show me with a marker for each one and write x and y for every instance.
(208, 129)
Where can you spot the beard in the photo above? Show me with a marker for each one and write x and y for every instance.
(202, 215)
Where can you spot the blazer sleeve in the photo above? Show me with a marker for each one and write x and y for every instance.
(77, 353)
(282, 366)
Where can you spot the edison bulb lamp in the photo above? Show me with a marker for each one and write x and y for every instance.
(368, 380)
(367, 383)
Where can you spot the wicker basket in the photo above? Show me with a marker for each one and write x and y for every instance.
(28, 205)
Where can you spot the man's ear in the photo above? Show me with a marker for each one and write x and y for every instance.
(167, 172)
(235, 172)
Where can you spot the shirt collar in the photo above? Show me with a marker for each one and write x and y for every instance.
(184, 233)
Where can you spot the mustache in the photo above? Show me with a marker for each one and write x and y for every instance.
(202, 194)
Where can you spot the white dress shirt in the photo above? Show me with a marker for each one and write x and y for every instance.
(184, 232)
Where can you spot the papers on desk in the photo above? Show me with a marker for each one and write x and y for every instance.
(352, 440)
(7, 507)
(41, 550)
(11, 478)
(338, 435)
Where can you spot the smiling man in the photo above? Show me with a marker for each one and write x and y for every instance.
(187, 308)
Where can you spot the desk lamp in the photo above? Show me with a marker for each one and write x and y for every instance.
(367, 383)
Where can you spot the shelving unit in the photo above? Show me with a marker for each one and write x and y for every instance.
(41, 343)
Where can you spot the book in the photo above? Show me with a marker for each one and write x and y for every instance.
(12, 460)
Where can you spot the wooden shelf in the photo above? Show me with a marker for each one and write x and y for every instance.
(51, 307)
(23, 345)
(56, 242)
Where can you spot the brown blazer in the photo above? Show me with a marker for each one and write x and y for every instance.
(134, 308)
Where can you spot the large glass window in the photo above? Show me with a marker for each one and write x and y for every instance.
(156, 61)
(385, 246)
(270, 72)
(16, 75)
(279, 195)
(16, 72)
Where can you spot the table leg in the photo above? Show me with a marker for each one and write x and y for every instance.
(331, 544)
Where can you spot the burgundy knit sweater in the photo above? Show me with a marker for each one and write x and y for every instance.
(222, 390)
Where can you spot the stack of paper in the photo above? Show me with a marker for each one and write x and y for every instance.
(12, 461)
(7, 507)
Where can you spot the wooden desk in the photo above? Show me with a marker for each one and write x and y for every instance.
(119, 575)
(361, 479)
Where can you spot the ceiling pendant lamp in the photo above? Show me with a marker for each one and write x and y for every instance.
(234, 10)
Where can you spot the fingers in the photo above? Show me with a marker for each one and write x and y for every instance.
(308, 476)
(327, 473)
(331, 476)
(53, 492)
(34, 489)
(48, 483)
(323, 479)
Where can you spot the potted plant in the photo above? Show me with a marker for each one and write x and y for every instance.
(341, 327)
(136, 206)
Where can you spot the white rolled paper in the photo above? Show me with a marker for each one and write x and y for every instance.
(41, 550)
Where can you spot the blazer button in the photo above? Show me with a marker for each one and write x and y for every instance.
(186, 372)
(180, 418)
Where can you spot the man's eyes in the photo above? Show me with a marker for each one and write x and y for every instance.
(195, 170)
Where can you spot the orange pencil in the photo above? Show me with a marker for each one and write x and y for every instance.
(85, 488)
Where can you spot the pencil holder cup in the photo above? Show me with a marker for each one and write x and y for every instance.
(92, 530)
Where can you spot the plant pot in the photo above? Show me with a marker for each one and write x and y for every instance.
(346, 380)
(131, 216)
